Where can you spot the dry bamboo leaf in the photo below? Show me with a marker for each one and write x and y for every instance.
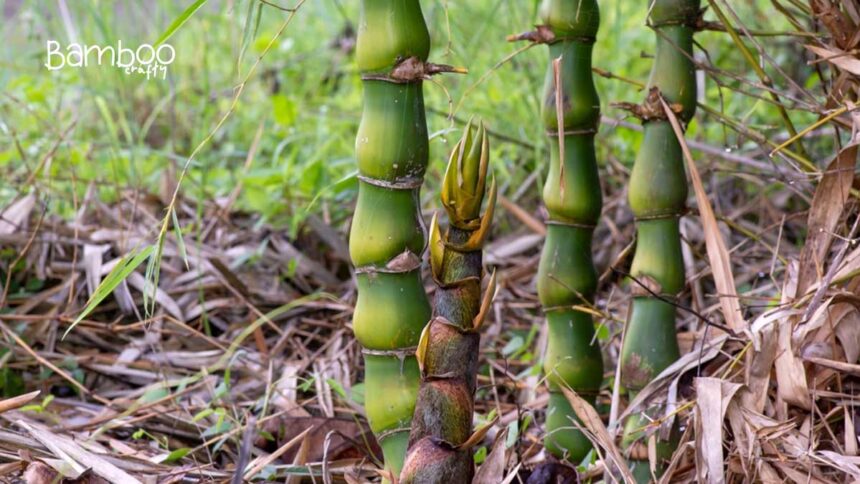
(840, 366)
(790, 374)
(767, 474)
(13, 217)
(136, 280)
(850, 267)
(713, 396)
(718, 255)
(843, 60)
(286, 251)
(492, 470)
(591, 421)
(848, 332)
(796, 476)
(69, 450)
(18, 402)
(93, 255)
(850, 431)
(759, 363)
(514, 474)
(323, 389)
(827, 319)
(824, 214)
(744, 437)
(848, 464)
(300, 460)
(500, 251)
(286, 388)
(53, 471)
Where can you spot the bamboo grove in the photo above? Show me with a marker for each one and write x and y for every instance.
(657, 196)
(430, 356)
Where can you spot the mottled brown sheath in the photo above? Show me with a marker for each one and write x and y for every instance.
(449, 346)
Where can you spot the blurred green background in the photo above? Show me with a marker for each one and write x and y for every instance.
(305, 95)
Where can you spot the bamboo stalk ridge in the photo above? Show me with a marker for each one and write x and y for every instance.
(387, 235)
(448, 350)
(657, 196)
(566, 276)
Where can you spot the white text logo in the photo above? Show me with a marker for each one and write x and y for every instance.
(146, 60)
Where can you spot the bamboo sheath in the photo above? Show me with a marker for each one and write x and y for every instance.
(657, 196)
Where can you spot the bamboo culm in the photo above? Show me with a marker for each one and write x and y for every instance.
(387, 236)
(447, 352)
(566, 279)
(657, 196)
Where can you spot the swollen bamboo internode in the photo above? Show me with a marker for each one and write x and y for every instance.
(657, 196)
(447, 353)
(387, 237)
(566, 276)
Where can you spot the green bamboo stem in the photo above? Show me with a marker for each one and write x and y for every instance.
(448, 350)
(387, 236)
(657, 196)
(566, 276)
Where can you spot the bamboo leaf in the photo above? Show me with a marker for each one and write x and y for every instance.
(180, 21)
(176, 455)
(493, 468)
(591, 421)
(843, 60)
(118, 274)
(828, 205)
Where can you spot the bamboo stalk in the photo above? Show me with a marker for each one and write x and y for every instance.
(566, 275)
(657, 196)
(387, 236)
